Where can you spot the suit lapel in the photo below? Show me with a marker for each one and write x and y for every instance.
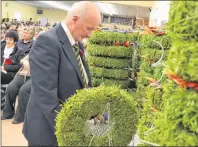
(68, 49)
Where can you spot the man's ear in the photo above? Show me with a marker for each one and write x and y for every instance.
(75, 18)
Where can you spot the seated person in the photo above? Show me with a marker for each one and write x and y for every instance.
(11, 57)
(13, 27)
(26, 43)
(14, 87)
(36, 33)
(3, 41)
(23, 98)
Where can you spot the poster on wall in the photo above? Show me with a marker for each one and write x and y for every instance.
(43, 21)
(17, 16)
(159, 13)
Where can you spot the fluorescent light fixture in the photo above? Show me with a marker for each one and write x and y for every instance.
(56, 5)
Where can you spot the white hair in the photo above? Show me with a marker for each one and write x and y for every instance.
(80, 9)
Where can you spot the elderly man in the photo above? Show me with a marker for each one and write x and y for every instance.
(58, 69)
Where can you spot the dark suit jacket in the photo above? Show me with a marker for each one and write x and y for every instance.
(55, 76)
(25, 46)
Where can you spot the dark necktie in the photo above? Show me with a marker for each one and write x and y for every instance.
(77, 53)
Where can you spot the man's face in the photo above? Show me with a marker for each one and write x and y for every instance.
(83, 28)
(13, 27)
(36, 35)
(26, 35)
(20, 35)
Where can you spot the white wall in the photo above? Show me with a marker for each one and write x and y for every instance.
(159, 13)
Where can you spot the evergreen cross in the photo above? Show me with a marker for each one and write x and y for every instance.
(77, 53)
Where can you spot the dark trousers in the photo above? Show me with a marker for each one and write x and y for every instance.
(23, 98)
(32, 144)
(7, 78)
(11, 94)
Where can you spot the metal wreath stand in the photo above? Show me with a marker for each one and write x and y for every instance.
(136, 139)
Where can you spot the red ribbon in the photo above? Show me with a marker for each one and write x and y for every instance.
(82, 53)
(181, 82)
(8, 62)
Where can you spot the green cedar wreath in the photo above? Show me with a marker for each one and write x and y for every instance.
(109, 82)
(73, 123)
(110, 51)
(107, 38)
(107, 62)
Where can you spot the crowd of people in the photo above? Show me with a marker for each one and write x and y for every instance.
(17, 39)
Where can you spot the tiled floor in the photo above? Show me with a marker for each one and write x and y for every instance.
(12, 134)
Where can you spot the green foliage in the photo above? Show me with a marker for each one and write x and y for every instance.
(153, 98)
(183, 60)
(77, 110)
(152, 54)
(178, 123)
(132, 37)
(183, 20)
(109, 82)
(109, 73)
(147, 41)
(107, 38)
(108, 62)
(110, 51)
(136, 59)
(150, 97)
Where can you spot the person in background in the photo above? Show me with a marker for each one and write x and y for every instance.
(26, 43)
(10, 57)
(58, 69)
(30, 22)
(3, 20)
(3, 41)
(17, 87)
(3, 26)
(20, 32)
(36, 34)
(23, 99)
(21, 86)
(13, 27)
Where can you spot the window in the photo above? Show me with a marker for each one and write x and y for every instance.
(121, 20)
(105, 19)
